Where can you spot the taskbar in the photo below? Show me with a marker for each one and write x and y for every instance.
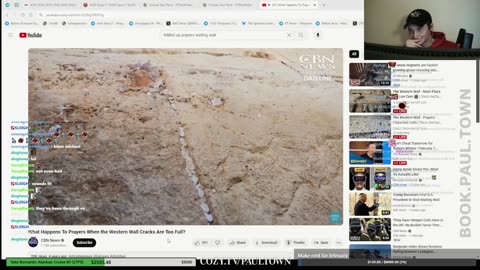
(209, 262)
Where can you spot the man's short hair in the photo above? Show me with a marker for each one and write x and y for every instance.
(369, 143)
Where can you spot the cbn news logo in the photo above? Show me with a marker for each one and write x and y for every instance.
(29, 35)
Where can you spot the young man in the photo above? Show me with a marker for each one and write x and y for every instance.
(421, 34)
(380, 181)
(370, 154)
(359, 178)
(361, 208)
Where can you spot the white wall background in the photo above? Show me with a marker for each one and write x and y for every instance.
(384, 19)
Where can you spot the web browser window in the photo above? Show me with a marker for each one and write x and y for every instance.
(199, 133)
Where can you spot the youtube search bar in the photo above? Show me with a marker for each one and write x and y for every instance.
(232, 35)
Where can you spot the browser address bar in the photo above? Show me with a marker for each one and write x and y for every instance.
(255, 35)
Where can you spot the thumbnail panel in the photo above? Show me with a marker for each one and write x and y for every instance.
(370, 229)
(370, 74)
(370, 127)
(359, 178)
(370, 101)
(370, 252)
(370, 178)
(370, 203)
(382, 178)
(370, 152)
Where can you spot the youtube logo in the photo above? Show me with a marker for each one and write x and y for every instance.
(29, 35)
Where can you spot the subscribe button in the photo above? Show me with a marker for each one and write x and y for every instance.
(84, 242)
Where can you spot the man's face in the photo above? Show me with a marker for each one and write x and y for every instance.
(371, 149)
(421, 34)
(363, 198)
(380, 179)
(359, 179)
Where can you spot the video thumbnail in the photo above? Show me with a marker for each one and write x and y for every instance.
(370, 178)
(370, 74)
(430, 29)
(365, 152)
(381, 178)
(370, 229)
(360, 178)
(370, 203)
(187, 136)
(370, 252)
(370, 127)
(370, 101)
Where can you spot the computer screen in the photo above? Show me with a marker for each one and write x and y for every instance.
(164, 133)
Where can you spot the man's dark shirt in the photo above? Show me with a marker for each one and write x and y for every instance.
(361, 209)
(365, 156)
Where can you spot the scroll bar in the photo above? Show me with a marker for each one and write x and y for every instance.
(478, 91)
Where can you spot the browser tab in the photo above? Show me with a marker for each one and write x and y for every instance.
(289, 4)
(240, 4)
